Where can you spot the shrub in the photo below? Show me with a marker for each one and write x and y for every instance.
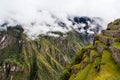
(66, 74)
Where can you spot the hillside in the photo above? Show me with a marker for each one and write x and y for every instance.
(43, 58)
(100, 60)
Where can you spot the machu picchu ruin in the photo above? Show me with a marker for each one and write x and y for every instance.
(100, 60)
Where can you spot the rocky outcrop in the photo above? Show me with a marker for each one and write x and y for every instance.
(9, 70)
(6, 40)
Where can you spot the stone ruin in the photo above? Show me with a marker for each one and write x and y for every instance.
(109, 39)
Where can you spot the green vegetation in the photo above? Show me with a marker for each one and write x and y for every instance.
(106, 37)
(117, 44)
(41, 59)
(99, 43)
(66, 74)
(78, 57)
(109, 69)
(82, 75)
(101, 69)
(94, 53)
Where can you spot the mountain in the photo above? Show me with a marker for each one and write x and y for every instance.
(44, 57)
(100, 60)
(47, 22)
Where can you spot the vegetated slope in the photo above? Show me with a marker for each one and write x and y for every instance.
(41, 59)
(100, 60)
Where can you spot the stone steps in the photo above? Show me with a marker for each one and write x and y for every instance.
(93, 55)
(99, 46)
(105, 39)
(111, 33)
(113, 27)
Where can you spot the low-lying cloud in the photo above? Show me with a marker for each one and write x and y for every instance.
(37, 12)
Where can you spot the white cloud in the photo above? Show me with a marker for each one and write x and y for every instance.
(26, 12)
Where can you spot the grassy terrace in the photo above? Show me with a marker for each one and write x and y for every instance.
(82, 74)
(101, 44)
(77, 66)
(95, 69)
(117, 44)
(103, 36)
(102, 68)
(86, 59)
(94, 52)
(109, 69)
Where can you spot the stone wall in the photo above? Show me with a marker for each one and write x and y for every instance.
(115, 54)
(109, 37)
(111, 33)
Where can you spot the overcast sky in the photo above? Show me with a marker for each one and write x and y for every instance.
(26, 11)
(101, 8)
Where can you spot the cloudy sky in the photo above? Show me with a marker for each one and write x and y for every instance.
(101, 8)
(26, 11)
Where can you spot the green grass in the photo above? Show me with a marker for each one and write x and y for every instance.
(90, 46)
(82, 74)
(100, 35)
(78, 56)
(86, 59)
(72, 76)
(116, 44)
(101, 44)
(77, 66)
(103, 68)
(94, 70)
(109, 69)
(94, 53)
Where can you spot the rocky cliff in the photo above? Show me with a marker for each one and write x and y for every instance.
(100, 60)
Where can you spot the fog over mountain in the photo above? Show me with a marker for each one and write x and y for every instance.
(36, 16)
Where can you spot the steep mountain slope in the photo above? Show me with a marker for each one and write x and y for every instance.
(40, 59)
(99, 61)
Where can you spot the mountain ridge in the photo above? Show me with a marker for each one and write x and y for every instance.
(40, 59)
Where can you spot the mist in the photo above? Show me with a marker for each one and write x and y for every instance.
(38, 12)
